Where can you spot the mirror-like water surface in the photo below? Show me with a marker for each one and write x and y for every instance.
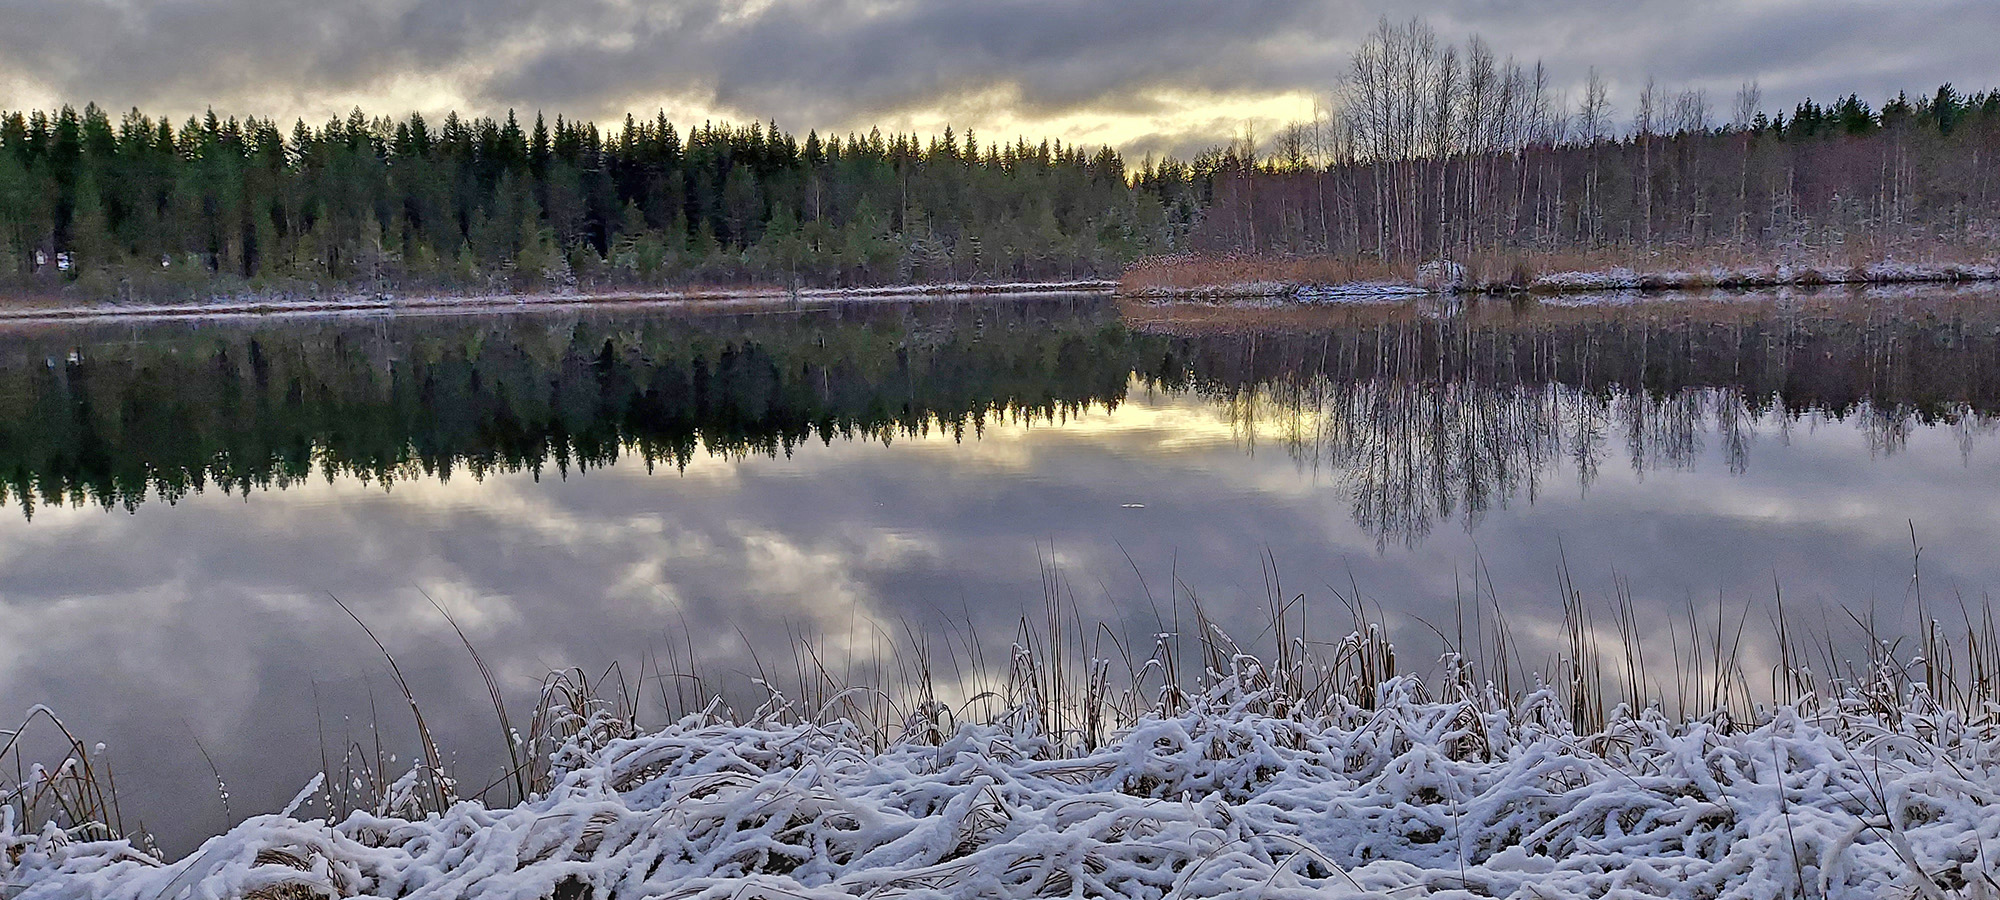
(585, 487)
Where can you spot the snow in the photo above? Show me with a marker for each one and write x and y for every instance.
(380, 303)
(1441, 274)
(1567, 282)
(1895, 272)
(1240, 796)
(1253, 292)
(1782, 275)
(1242, 290)
(1360, 291)
(1443, 277)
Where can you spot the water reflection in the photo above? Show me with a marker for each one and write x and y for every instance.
(582, 487)
(1439, 419)
(1427, 418)
(1414, 455)
(115, 416)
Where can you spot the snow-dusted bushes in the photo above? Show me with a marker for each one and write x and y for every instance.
(1310, 769)
(1258, 786)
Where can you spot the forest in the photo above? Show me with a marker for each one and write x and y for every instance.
(1423, 150)
(140, 208)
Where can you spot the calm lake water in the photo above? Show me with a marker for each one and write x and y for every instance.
(585, 486)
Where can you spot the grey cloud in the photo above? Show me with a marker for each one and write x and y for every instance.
(804, 65)
(847, 63)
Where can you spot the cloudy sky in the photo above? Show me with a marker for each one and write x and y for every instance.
(1138, 74)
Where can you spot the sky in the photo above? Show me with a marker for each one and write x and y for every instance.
(1141, 75)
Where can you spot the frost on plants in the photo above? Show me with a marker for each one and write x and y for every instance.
(1239, 791)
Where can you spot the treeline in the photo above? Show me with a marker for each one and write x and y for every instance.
(1429, 150)
(139, 207)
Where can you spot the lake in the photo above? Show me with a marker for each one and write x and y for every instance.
(595, 485)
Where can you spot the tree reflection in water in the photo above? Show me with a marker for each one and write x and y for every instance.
(115, 415)
(1430, 414)
(1431, 419)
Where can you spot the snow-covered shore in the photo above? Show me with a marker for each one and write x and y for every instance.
(1287, 292)
(1241, 795)
(382, 302)
(1774, 276)
(1574, 282)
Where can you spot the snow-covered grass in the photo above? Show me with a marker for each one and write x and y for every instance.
(1311, 769)
(1238, 796)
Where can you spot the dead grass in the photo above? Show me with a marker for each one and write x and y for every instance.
(1188, 272)
(57, 780)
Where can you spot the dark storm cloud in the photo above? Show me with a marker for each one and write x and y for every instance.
(1163, 76)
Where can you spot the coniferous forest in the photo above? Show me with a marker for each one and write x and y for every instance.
(142, 207)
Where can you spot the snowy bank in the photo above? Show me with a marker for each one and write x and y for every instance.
(1286, 292)
(1439, 277)
(1240, 794)
(1773, 276)
(383, 303)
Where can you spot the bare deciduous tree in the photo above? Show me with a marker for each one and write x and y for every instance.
(1749, 101)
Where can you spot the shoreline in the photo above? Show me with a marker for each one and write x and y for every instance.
(1612, 280)
(1184, 317)
(433, 304)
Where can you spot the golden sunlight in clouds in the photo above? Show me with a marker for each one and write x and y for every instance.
(996, 116)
